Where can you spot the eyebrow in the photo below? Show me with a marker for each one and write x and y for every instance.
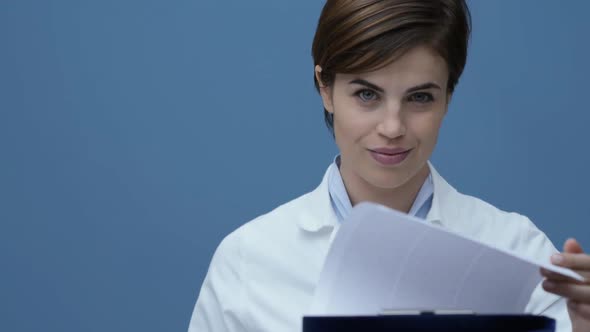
(429, 85)
(367, 84)
(425, 86)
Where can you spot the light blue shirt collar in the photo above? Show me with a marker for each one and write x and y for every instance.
(341, 202)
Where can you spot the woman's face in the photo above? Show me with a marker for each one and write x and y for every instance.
(386, 122)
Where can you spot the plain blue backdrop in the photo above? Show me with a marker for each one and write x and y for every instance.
(134, 135)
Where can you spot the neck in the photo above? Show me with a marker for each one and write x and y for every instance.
(400, 198)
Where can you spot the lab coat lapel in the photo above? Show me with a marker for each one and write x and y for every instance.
(318, 214)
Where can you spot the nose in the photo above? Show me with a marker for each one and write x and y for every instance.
(392, 123)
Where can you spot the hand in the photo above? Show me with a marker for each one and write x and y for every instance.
(576, 292)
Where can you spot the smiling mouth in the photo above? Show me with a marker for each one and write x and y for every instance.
(389, 157)
(390, 153)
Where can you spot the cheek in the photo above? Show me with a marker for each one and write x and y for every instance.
(350, 129)
(427, 126)
(351, 123)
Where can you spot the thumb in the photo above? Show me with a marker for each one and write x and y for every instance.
(572, 246)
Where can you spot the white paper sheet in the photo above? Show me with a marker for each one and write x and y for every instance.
(382, 259)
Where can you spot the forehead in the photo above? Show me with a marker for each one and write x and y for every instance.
(417, 66)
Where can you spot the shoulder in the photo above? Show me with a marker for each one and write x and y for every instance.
(465, 207)
(265, 231)
(475, 218)
(308, 212)
(479, 219)
(283, 217)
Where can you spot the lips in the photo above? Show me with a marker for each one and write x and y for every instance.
(389, 156)
(389, 151)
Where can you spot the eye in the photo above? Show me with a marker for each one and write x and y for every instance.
(421, 97)
(367, 95)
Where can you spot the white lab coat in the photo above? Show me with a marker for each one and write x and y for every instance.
(262, 276)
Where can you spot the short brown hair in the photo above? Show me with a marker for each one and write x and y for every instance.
(355, 36)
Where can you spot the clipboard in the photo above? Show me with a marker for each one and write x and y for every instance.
(429, 321)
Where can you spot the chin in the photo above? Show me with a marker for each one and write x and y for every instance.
(394, 177)
(387, 180)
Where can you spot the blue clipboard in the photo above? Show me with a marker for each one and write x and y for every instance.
(431, 322)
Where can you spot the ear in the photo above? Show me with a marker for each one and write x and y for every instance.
(325, 91)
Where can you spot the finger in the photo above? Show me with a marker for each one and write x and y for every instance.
(572, 246)
(580, 309)
(578, 293)
(572, 261)
(554, 276)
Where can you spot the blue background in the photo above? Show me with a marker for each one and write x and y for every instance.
(134, 135)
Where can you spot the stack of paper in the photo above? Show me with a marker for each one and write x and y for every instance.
(382, 259)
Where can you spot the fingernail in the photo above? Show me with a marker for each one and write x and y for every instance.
(557, 259)
(549, 284)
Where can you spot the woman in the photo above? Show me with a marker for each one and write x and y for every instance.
(386, 71)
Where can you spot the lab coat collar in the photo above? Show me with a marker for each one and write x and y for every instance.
(441, 199)
(320, 215)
